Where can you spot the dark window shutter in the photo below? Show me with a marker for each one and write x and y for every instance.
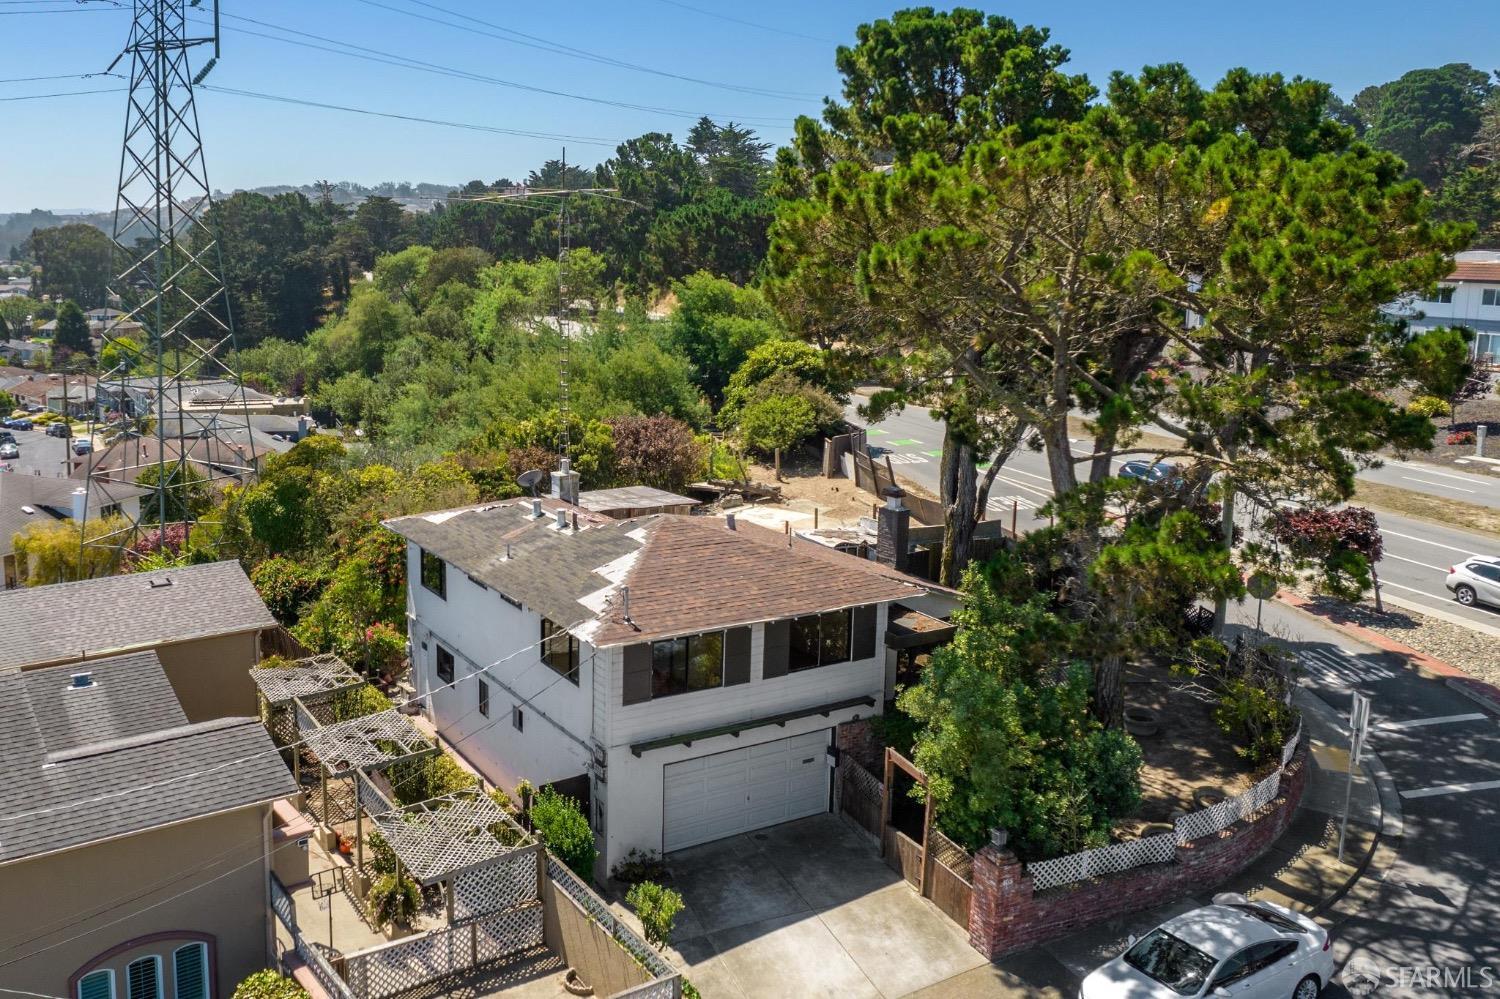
(778, 645)
(736, 656)
(637, 673)
(864, 631)
(190, 971)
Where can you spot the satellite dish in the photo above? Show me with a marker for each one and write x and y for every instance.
(530, 480)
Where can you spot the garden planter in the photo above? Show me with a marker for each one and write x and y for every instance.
(1207, 797)
(575, 985)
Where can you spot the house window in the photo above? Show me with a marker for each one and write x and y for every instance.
(820, 640)
(434, 574)
(97, 985)
(190, 971)
(680, 665)
(1491, 296)
(560, 651)
(1444, 295)
(444, 665)
(484, 699)
(517, 718)
(143, 978)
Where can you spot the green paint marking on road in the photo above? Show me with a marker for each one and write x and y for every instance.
(904, 442)
(933, 454)
(981, 466)
(877, 432)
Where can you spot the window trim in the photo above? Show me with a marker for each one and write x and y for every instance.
(848, 656)
(109, 978)
(441, 590)
(156, 960)
(484, 699)
(202, 950)
(437, 663)
(550, 632)
(1490, 297)
(517, 718)
(687, 662)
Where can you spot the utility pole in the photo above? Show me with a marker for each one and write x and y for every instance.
(169, 277)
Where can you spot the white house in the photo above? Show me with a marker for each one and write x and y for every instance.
(682, 674)
(1470, 297)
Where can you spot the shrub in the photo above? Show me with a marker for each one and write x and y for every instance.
(285, 585)
(271, 985)
(638, 866)
(357, 702)
(1427, 405)
(562, 826)
(394, 900)
(385, 649)
(1461, 437)
(378, 853)
(431, 777)
(657, 908)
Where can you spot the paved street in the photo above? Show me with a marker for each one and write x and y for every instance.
(40, 454)
(1417, 554)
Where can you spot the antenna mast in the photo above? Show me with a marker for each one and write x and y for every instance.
(564, 303)
(178, 390)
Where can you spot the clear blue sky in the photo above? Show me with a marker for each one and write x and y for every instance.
(63, 152)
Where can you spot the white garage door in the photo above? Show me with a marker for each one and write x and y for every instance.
(728, 793)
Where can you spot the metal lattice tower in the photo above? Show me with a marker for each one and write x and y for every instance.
(177, 405)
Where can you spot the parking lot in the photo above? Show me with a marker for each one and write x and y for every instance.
(40, 454)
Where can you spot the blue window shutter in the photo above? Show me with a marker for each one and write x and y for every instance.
(143, 978)
(190, 971)
(97, 985)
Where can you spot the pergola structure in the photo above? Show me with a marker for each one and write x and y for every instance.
(444, 838)
(311, 681)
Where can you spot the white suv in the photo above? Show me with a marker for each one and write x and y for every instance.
(1475, 580)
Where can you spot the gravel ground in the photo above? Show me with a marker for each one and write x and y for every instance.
(1474, 652)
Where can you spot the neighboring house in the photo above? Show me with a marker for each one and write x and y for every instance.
(73, 396)
(125, 875)
(690, 671)
(203, 397)
(1470, 297)
(24, 351)
(26, 500)
(32, 392)
(204, 621)
(634, 501)
(224, 458)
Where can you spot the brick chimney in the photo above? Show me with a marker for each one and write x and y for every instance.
(892, 541)
(565, 483)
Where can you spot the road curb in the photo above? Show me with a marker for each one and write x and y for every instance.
(1481, 693)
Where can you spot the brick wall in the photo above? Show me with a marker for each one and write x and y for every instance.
(858, 739)
(1008, 915)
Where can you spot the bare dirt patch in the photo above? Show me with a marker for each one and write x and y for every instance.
(1424, 506)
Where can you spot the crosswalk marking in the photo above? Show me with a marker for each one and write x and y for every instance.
(1338, 668)
(1429, 792)
(1424, 722)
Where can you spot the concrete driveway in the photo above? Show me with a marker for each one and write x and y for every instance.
(808, 909)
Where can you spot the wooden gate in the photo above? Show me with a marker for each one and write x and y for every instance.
(937, 867)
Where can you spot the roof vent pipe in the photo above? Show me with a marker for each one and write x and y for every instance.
(536, 509)
(625, 596)
(729, 521)
(562, 520)
(81, 681)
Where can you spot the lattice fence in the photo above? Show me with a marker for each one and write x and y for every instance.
(1106, 860)
(504, 885)
(1229, 811)
(601, 914)
(662, 988)
(1290, 749)
(333, 801)
(951, 855)
(420, 960)
(860, 795)
(370, 797)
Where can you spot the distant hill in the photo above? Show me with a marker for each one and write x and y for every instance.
(16, 227)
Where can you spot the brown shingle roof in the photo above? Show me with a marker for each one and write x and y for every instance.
(1476, 270)
(685, 574)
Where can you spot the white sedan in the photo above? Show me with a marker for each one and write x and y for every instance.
(1234, 947)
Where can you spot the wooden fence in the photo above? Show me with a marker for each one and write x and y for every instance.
(950, 877)
(860, 795)
(278, 641)
(834, 449)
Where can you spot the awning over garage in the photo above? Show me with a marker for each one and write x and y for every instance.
(688, 738)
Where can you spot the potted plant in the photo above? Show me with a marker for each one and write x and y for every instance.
(346, 845)
(394, 900)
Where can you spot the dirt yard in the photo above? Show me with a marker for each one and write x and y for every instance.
(1189, 752)
(838, 502)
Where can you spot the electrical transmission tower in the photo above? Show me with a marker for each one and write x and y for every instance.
(175, 416)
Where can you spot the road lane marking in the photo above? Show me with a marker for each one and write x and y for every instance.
(1386, 582)
(1410, 537)
(1430, 471)
(876, 431)
(1424, 722)
(904, 442)
(1340, 668)
(1425, 565)
(1024, 486)
(1432, 792)
(1440, 485)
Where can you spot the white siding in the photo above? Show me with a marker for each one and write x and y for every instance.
(481, 629)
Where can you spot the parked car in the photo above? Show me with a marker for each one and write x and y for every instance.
(82, 445)
(6, 437)
(1161, 475)
(1234, 947)
(1475, 580)
(9, 450)
(19, 423)
(61, 429)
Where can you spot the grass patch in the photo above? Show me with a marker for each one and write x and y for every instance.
(1433, 509)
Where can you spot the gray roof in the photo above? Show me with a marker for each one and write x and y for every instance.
(46, 624)
(51, 497)
(641, 498)
(116, 758)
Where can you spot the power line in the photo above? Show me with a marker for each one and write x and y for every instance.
(62, 76)
(65, 93)
(748, 24)
(469, 126)
(408, 62)
(547, 45)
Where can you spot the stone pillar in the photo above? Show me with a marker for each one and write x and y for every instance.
(1002, 900)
